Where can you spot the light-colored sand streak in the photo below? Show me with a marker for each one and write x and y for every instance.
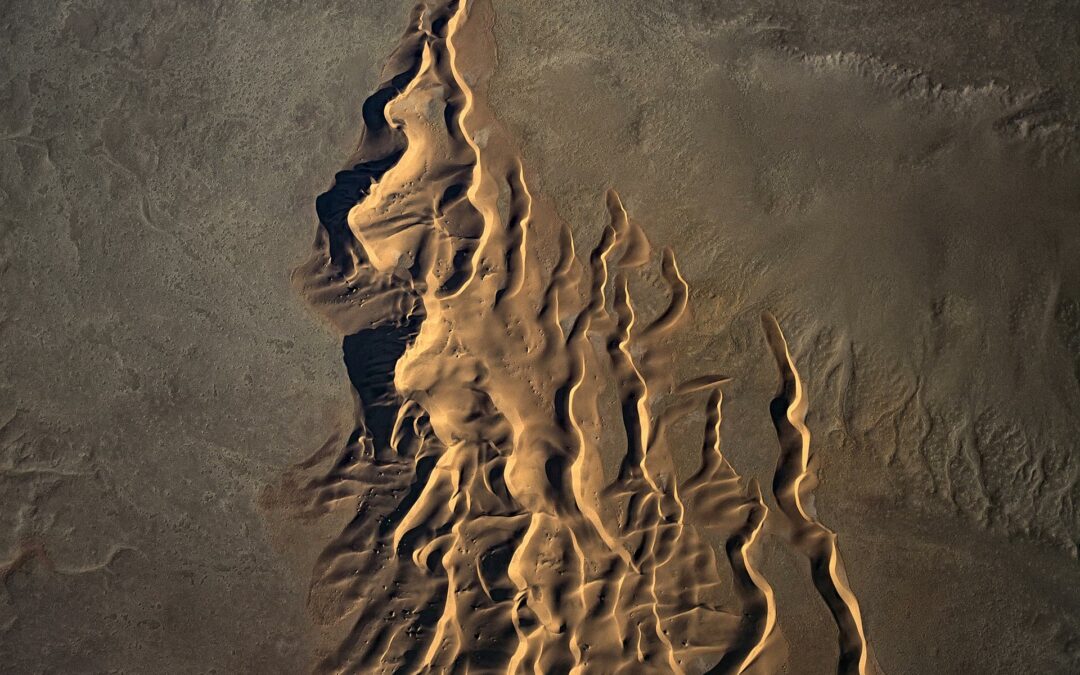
(487, 357)
(793, 486)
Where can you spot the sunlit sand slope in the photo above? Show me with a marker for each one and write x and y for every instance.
(482, 346)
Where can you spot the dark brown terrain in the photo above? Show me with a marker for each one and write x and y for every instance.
(897, 183)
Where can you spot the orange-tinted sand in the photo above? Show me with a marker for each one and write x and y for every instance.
(488, 537)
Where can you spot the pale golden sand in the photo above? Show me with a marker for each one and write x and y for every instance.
(489, 538)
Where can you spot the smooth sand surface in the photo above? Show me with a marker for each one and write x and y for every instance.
(635, 338)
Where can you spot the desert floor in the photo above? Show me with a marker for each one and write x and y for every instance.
(897, 182)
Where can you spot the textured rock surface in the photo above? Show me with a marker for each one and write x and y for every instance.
(159, 165)
(896, 182)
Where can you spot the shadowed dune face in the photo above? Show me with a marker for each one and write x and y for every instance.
(494, 368)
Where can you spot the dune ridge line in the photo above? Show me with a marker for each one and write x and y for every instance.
(493, 366)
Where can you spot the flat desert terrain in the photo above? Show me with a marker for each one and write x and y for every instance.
(477, 336)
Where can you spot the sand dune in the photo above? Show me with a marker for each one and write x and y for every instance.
(483, 348)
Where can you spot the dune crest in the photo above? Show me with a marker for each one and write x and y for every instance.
(482, 346)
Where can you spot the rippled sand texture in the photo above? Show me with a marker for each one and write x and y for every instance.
(483, 349)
